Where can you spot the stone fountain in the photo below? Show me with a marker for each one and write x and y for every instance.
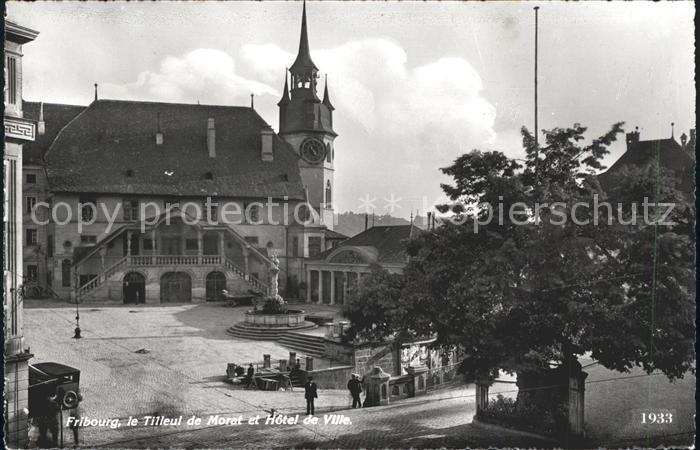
(271, 316)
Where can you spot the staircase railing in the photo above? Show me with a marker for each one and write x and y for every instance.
(102, 277)
(246, 276)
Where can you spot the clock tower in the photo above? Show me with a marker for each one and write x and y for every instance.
(306, 122)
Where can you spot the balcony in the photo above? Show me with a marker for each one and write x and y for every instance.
(134, 261)
(174, 260)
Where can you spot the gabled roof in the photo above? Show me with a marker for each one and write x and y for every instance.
(330, 234)
(386, 243)
(56, 116)
(671, 156)
(111, 148)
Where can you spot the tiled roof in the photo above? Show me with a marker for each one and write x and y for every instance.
(330, 234)
(111, 148)
(388, 241)
(56, 116)
(671, 156)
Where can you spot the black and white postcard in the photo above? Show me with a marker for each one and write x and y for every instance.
(360, 224)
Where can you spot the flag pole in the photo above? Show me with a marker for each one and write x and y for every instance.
(537, 132)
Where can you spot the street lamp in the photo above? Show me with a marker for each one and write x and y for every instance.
(77, 310)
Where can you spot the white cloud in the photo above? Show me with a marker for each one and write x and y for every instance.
(267, 61)
(391, 117)
(205, 75)
(376, 93)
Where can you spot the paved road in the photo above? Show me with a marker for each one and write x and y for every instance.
(428, 422)
(180, 373)
(187, 349)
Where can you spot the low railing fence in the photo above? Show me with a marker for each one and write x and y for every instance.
(441, 375)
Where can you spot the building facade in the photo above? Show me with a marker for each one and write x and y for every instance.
(39, 243)
(162, 202)
(18, 131)
(334, 272)
(676, 157)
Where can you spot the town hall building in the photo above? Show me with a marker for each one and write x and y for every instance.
(146, 202)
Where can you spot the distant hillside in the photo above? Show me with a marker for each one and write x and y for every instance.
(350, 223)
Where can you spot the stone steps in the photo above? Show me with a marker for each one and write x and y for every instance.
(308, 344)
(245, 331)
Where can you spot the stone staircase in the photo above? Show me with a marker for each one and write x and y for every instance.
(304, 343)
(247, 331)
(308, 344)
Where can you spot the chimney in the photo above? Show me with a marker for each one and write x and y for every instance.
(632, 138)
(266, 153)
(41, 125)
(159, 132)
(211, 137)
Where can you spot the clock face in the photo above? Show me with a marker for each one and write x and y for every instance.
(313, 151)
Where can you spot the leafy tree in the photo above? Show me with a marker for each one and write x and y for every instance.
(556, 278)
(377, 309)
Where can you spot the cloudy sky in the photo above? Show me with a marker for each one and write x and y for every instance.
(415, 84)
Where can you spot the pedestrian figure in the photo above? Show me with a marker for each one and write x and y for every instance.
(48, 423)
(75, 414)
(310, 393)
(249, 376)
(355, 388)
(33, 433)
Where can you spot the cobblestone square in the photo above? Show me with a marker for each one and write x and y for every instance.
(181, 374)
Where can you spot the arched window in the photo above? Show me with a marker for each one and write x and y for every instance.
(65, 273)
(329, 198)
(329, 152)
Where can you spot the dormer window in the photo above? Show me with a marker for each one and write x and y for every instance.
(208, 176)
(88, 207)
(129, 173)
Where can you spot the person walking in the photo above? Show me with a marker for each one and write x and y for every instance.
(48, 423)
(310, 393)
(355, 388)
(249, 375)
(75, 413)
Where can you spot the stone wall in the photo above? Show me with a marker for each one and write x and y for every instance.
(337, 351)
(16, 396)
(368, 356)
(333, 378)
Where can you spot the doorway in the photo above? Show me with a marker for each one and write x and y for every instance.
(175, 287)
(134, 288)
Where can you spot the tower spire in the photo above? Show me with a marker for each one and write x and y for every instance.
(326, 98)
(303, 61)
(285, 92)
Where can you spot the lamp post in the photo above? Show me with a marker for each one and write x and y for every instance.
(77, 309)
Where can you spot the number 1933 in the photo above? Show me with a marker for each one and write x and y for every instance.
(656, 418)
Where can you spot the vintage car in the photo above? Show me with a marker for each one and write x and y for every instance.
(53, 386)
